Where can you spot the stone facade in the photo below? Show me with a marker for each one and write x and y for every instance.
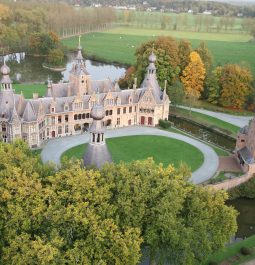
(65, 109)
(245, 148)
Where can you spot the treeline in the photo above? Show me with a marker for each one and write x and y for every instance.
(217, 8)
(19, 20)
(185, 21)
(77, 215)
(191, 75)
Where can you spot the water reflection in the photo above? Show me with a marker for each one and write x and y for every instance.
(246, 218)
(27, 69)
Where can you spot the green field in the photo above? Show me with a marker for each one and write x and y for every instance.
(163, 150)
(181, 21)
(233, 250)
(29, 89)
(119, 44)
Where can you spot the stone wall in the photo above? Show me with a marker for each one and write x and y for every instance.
(231, 183)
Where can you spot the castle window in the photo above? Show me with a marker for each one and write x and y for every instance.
(75, 117)
(66, 129)
(59, 129)
(79, 117)
(83, 116)
(52, 120)
(59, 119)
(130, 109)
(66, 118)
(3, 127)
(52, 109)
(87, 115)
(118, 121)
(66, 108)
(118, 111)
(82, 81)
(110, 112)
(124, 110)
(242, 140)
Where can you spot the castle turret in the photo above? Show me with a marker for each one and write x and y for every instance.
(97, 152)
(79, 74)
(6, 82)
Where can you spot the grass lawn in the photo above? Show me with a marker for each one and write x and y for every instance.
(233, 250)
(163, 150)
(29, 89)
(206, 120)
(119, 44)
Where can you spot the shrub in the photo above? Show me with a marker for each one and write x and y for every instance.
(245, 251)
(213, 263)
(164, 124)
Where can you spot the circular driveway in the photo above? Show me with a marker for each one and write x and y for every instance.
(54, 148)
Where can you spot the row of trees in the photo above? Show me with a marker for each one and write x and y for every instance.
(184, 21)
(19, 20)
(87, 216)
(190, 72)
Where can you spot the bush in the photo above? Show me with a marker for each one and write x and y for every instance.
(245, 251)
(213, 263)
(164, 124)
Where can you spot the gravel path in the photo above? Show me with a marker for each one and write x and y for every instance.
(236, 120)
(54, 148)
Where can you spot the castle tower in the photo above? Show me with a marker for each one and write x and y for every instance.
(79, 74)
(97, 152)
(6, 82)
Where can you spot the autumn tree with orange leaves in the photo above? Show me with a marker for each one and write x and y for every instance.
(235, 82)
(193, 77)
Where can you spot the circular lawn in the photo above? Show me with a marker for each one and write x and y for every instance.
(163, 150)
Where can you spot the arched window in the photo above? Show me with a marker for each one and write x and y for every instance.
(83, 115)
(75, 117)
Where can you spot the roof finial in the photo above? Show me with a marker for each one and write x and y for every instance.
(165, 84)
(4, 60)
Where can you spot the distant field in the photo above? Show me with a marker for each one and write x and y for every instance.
(181, 21)
(29, 89)
(119, 45)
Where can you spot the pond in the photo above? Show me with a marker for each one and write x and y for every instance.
(204, 133)
(246, 218)
(27, 69)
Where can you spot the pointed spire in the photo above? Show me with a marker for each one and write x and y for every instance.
(79, 56)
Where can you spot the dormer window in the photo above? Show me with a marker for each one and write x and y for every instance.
(52, 109)
(66, 107)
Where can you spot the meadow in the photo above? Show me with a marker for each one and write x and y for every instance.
(119, 45)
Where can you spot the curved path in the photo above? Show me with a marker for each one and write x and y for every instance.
(54, 148)
(236, 120)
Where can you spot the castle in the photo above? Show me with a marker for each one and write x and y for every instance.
(65, 109)
(245, 147)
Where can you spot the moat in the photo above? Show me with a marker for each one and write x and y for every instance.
(27, 69)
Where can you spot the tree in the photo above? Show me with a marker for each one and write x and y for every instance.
(235, 85)
(42, 43)
(55, 57)
(213, 85)
(205, 55)
(176, 93)
(184, 52)
(166, 50)
(76, 215)
(193, 77)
